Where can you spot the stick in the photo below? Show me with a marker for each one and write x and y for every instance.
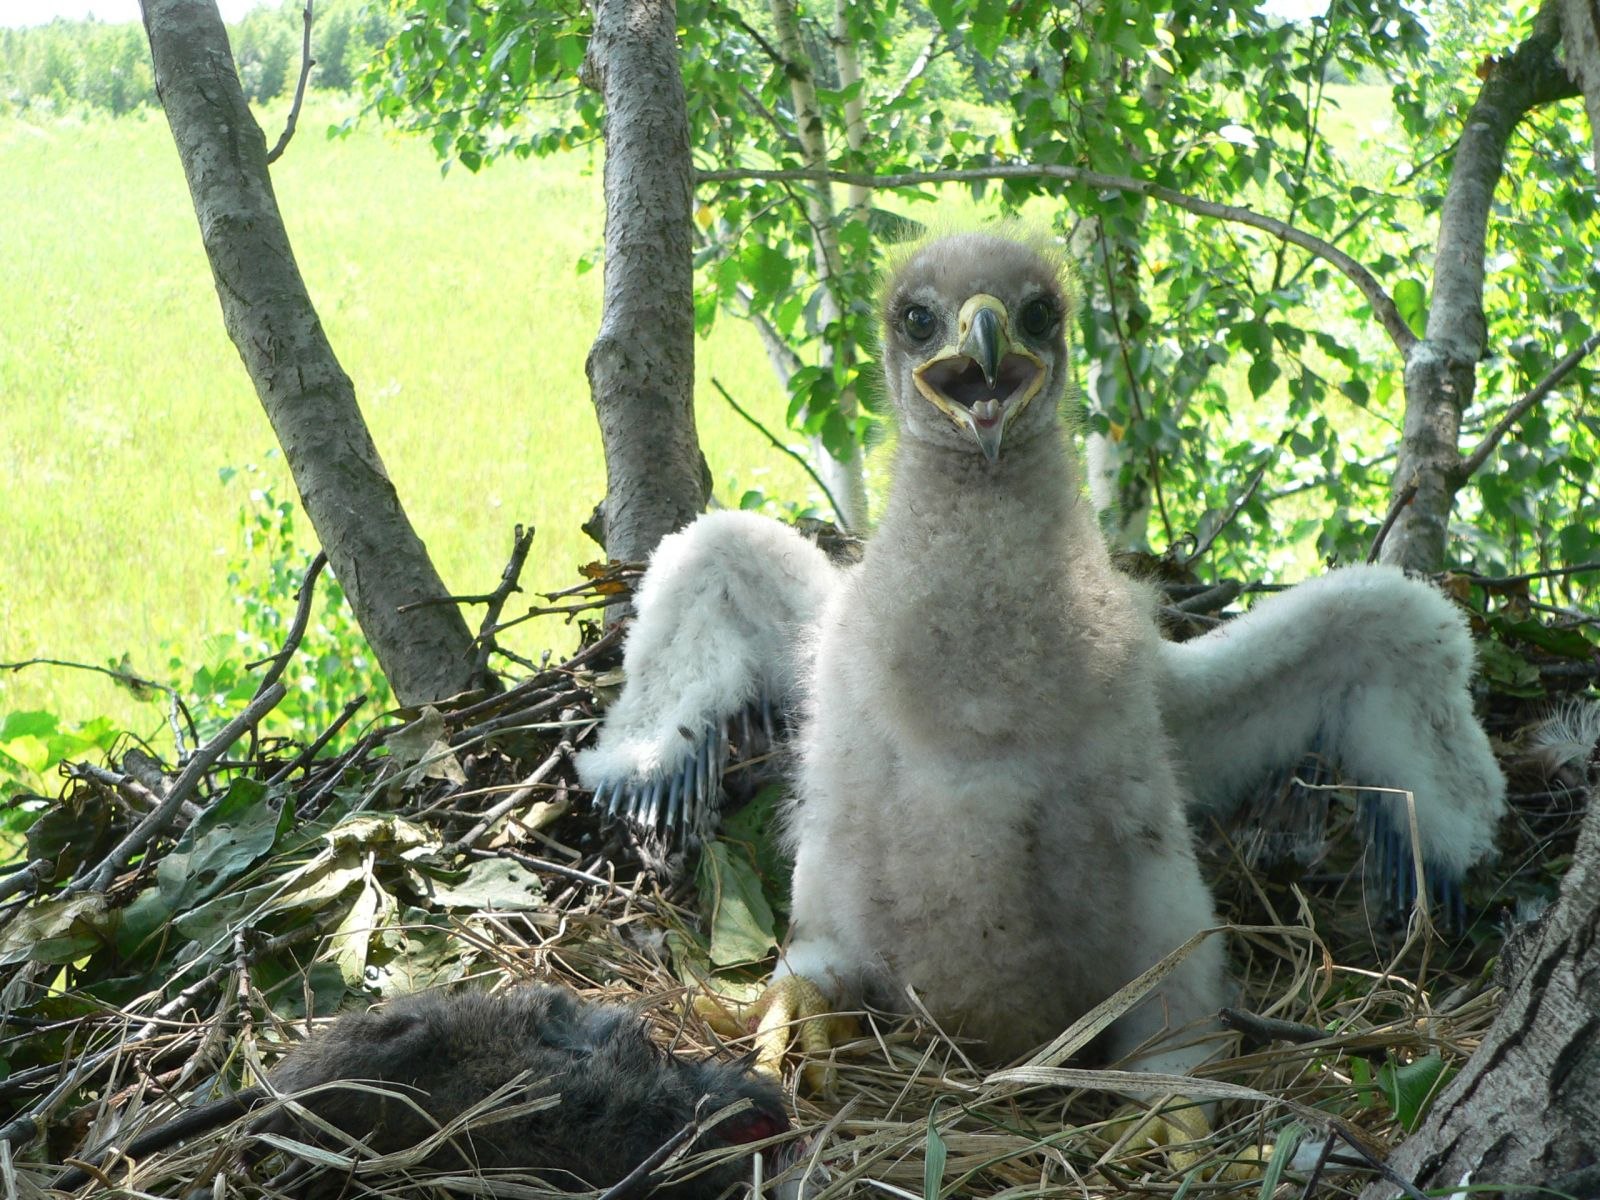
(838, 512)
(1515, 413)
(1407, 494)
(143, 833)
(306, 63)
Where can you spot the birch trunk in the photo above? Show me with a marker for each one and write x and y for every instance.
(380, 561)
(1441, 369)
(641, 366)
(845, 478)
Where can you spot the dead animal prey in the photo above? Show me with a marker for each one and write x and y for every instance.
(395, 1077)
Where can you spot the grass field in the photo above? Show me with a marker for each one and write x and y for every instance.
(121, 396)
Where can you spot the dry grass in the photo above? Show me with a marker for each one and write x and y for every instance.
(910, 1114)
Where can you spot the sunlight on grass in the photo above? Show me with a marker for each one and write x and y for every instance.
(454, 304)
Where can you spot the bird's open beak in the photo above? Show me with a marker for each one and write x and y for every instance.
(981, 381)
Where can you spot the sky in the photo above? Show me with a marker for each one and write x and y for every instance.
(37, 12)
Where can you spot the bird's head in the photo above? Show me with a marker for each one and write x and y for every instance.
(974, 341)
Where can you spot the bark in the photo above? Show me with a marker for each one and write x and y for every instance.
(1441, 369)
(1580, 47)
(1524, 1113)
(846, 478)
(380, 561)
(641, 366)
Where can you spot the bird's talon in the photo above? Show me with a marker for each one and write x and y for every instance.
(790, 1009)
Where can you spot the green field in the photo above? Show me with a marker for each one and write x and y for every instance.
(454, 303)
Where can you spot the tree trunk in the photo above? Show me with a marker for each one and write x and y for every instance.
(846, 478)
(1441, 369)
(1580, 48)
(380, 561)
(1524, 1112)
(641, 366)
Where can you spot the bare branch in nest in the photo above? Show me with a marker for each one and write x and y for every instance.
(297, 627)
(183, 787)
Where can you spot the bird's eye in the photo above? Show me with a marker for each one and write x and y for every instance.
(1037, 316)
(919, 322)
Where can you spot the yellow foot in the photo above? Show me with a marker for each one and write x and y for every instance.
(1179, 1128)
(790, 1004)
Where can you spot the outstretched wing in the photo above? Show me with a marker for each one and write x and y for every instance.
(1372, 671)
(724, 615)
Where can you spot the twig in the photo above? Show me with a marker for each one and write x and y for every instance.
(1469, 465)
(306, 63)
(1382, 306)
(629, 1184)
(517, 795)
(766, 433)
(1270, 1029)
(1211, 599)
(127, 678)
(1529, 576)
(100, 879)
(551, 868)
(146, 797)
(1407, 494)
(1227, 518)
(521, 542)
(32, 877)
(327, 735)
(297, 628)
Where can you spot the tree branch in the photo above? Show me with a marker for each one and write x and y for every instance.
(306, 63)
(766, 433)
(1382, 306)
(1475, 460)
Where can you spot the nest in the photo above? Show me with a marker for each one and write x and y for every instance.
(453, 846)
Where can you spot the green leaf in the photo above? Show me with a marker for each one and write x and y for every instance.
(934, 1155)
(742, 928)
(1411, 298)
(490, 883)
(220, 846)
(1263, 373)
(1411, 1087)
(58, 931)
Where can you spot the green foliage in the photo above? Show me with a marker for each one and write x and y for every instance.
(333, 663)
(1211, 351)
(33, 744)
(1408, 1088)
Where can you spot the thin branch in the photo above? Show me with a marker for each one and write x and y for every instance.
(31, 878)
(1585, 568)
(142, 834)
(1406, 496)
(297, 628)
(127, 678)
(766, 433)
(306, 63)
(305, 756)
(552, 868)
(1470, 465)
(1382, 306)
(521, 543)
(1227, 518)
